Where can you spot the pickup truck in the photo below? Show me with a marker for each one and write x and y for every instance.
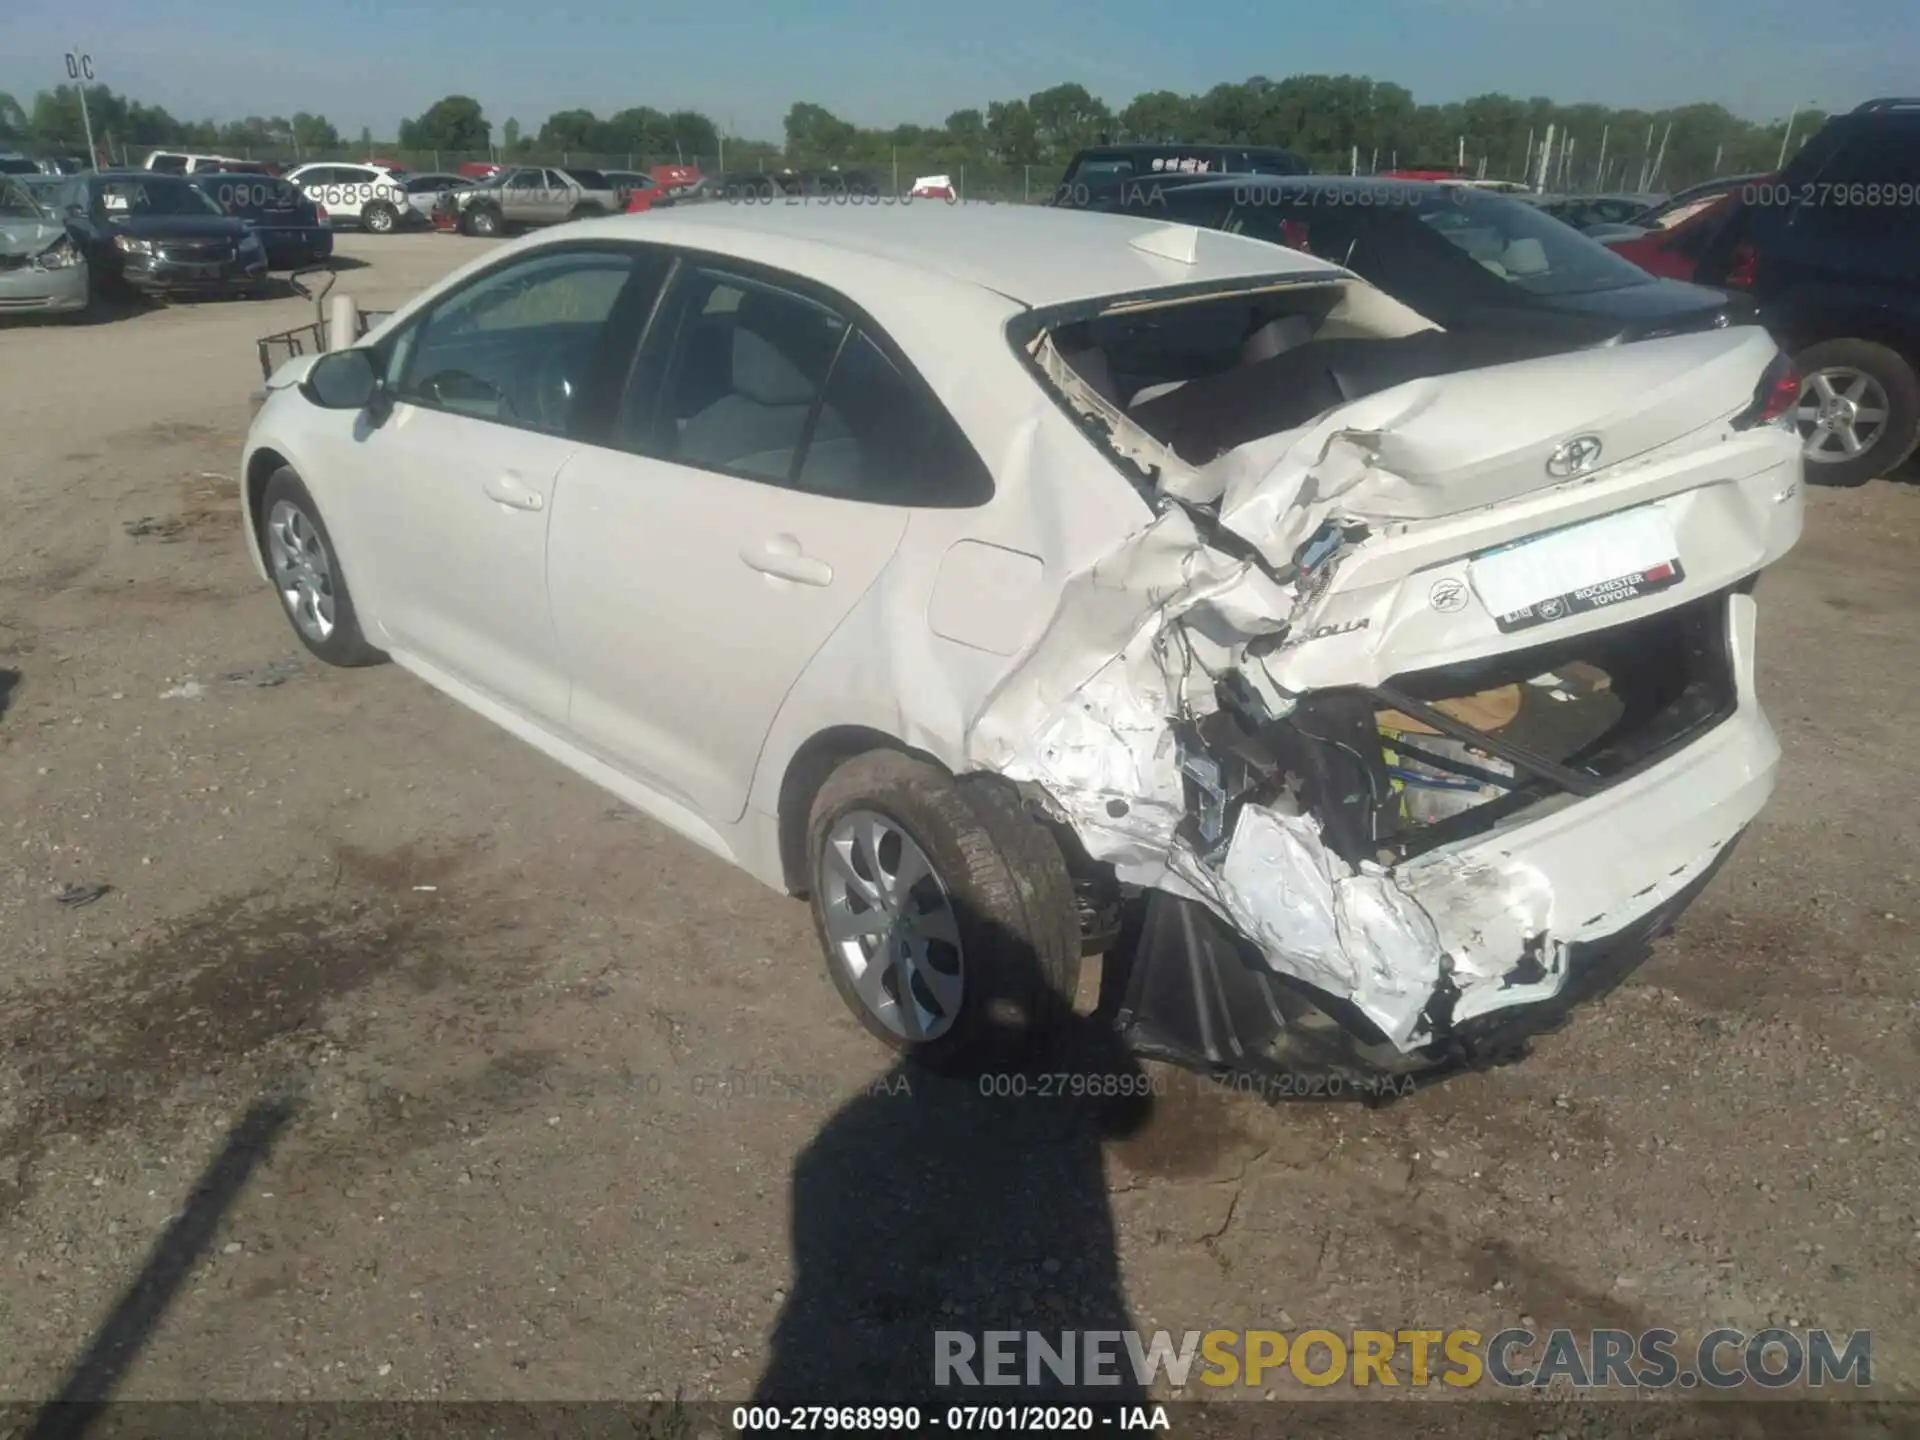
(531, 195)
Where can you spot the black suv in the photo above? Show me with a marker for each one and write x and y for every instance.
(1830, 248)
(1099, 167)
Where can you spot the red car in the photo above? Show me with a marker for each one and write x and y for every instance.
(1674, 252)
(675, 177)
(480, 169)
(642, 198)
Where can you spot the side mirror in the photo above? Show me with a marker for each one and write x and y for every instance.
(342, 380)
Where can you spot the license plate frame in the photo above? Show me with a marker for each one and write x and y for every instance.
(1584, 567)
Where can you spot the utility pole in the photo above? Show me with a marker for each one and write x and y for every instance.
(1600, 167)
(1658, 160)
(80, 70)
(1781, 163)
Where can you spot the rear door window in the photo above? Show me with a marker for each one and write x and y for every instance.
(883, 438)
(732, 376)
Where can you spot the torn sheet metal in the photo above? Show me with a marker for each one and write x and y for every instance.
(1091, 712)
(1354, 935)
(1085, 712)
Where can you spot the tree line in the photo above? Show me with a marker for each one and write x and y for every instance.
(1332, 121)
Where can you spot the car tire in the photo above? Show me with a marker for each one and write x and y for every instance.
(1876, 379)
(988, 939)
(484, 222)
(307, 575)
(379, 217)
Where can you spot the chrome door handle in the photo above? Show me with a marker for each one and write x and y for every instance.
(510, 490)
(782, 558)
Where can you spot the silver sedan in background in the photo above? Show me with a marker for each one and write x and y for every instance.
(42, 271)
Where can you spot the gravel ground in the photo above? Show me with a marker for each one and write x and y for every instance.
(471, 1018)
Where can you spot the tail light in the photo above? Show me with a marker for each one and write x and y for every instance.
(1774, 400)
(320, 214)
(1741, 267)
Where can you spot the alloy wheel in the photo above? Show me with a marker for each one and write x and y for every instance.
(1841, 414)
(891, 926)
(302, 570)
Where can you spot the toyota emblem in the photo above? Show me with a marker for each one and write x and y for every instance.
(1448, 596)
(1574, 457)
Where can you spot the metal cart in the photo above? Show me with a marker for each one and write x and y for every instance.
(276, 350)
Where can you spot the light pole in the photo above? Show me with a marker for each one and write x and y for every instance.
(80, 70)
(1787, 138)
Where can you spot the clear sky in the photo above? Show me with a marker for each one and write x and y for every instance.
(744, 61)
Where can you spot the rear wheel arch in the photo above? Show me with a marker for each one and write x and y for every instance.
(807, 770)
(1811, 323)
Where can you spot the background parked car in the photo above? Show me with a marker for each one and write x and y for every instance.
(15, 164)
(1466, 259)
(643, 192)
(368, 196)
(292, 228)
(42, 271)
(480, 169)
(1830, 250)
(1585, 211)
(178, 162)
(160, 235)
(675, 177)
(1100, 165)
(1675, 249)
(424, 191)
(529, 195)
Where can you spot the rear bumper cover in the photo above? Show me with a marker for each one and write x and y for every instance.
(1529, 917)
(1199, 996)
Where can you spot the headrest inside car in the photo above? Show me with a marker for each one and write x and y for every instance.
(1525, 257)
(764, 375)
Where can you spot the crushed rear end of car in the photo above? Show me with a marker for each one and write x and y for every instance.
(1427, 700)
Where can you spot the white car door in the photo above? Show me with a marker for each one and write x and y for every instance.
(456, 483)
(750, 491)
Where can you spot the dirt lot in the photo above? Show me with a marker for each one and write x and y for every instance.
(510, 1169)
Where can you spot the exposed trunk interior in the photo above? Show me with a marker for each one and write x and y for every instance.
(1440, 755)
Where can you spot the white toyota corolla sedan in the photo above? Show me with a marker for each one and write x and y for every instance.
(1018, 584)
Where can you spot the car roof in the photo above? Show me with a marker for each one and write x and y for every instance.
(1184, 147)
(1037, 255)
(1294, 184)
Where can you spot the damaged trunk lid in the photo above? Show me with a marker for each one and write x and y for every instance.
(1463, 440)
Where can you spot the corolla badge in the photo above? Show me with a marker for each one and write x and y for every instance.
(1574, 457)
